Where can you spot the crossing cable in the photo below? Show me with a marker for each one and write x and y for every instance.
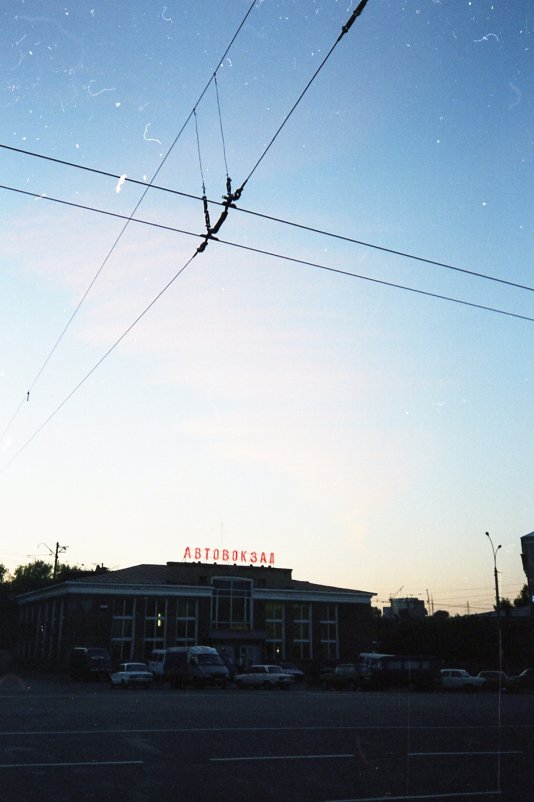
(231, 197)
(275, 255)
(229, 202)
(263, 253)
(125, 226)
(260, 215)
(322, 232)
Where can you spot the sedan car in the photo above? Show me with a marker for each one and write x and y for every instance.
(291, 668)
(264, 676)
(132, 675)
(345, 675)
(461, 680)
(525, 680)
(499, 681)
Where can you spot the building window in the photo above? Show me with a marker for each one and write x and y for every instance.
(155, 616)
(328, 631)
(231, 604)
(186, 622)
(302, 643)
(122, 629)
(274, 625)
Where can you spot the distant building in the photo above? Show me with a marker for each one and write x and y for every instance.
(408, 607)
(253, 613)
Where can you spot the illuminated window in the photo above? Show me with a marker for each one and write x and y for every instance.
(231, 604)
(302, 643)
(274, 625)
(155, 617)
(186, 622)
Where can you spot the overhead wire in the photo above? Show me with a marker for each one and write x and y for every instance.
(344, 30)
(98, 363)
(137, 205)
(274, 219)
(284, 257)
(229, 200)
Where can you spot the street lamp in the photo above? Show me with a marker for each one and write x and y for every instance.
(497, 598)
(496, 575)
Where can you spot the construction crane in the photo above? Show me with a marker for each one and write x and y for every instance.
(394, 595)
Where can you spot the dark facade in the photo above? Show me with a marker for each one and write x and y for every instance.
(253, 613)
(527, 557)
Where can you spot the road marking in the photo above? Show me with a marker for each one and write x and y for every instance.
(344, 728)
(454, 754)
(411, 797)
(70, 765)
(276, 757)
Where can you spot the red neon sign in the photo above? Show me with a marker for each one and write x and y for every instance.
(242, 556)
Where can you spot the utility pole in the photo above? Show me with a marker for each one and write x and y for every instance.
(55, 553)
(497, 597)
(59, 549)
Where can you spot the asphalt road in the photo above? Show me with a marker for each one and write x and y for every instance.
(61, 740)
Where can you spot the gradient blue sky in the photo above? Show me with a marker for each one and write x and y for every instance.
(366, 435)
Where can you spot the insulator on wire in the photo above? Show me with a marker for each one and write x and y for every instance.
(206, 212)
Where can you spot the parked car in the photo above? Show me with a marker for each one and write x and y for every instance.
(291, 668)
(264, 676)
(132, 675)
(89, 663)
(458, 679)
(525, 680)
(344, 676)
(499, 681)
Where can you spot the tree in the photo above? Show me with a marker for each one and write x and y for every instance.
(31, 576)
(505, 605)
(522, 599)
(4, 576)
(39, 574)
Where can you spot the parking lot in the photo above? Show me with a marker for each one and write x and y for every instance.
(61, 739)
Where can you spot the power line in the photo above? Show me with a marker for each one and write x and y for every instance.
(229, 199)
(284, 257)
(271, 218)
(98, 363)
(255, 250)
(345, 29)
(143, 195)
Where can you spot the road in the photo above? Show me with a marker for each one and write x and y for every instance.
(61, 740)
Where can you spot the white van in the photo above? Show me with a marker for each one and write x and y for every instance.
(155, 664)
(194, 665)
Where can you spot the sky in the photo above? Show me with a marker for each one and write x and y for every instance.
(365, 434)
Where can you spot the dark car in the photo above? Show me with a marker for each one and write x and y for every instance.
(525, 680)
(499, 681)
(344, 676)
(291, 668)
(89, 663)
